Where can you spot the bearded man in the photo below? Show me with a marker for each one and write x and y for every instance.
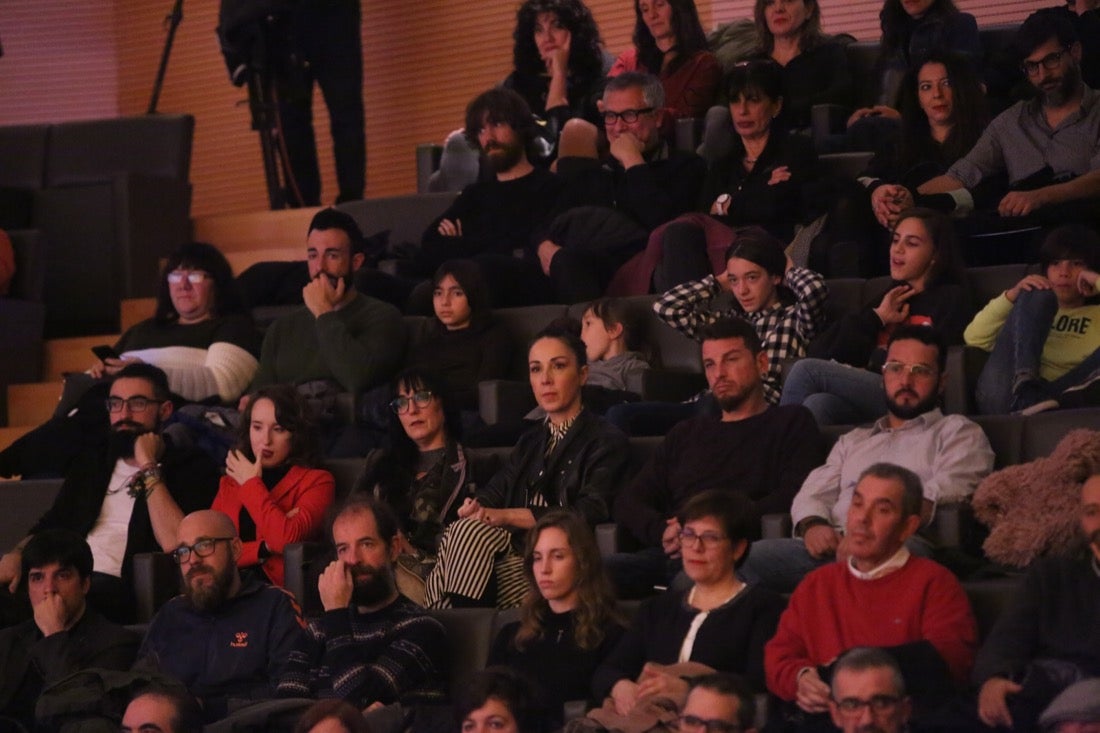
(226, 639)
(372, 646)
(949, 453)
(129, 499)
(760, 450)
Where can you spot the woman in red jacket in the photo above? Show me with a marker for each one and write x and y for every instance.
(272, 489)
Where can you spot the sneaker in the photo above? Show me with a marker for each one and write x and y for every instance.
(1086, 394)
(1028, 393)
(1038, 407)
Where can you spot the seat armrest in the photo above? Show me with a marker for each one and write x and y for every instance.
(775, 526)
(156, 580)
(296, 558)
(956, 392)
(828, 119)
(607, 538)
(573, 709)
(689, 133)
(504, 401)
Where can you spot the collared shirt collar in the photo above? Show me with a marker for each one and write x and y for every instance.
(894, 563)
(923, 420)
(557, 432)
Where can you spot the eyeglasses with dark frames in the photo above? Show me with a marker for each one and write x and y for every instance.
(136, 404)
(420, 398)
(1049, 62)
(203, 548)
(628, 116)
(879, 704)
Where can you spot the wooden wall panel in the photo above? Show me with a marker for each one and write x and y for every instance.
(424, 59)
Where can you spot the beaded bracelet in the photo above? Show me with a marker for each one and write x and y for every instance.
(144, 481)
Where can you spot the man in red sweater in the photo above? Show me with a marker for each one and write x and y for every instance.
(877, 595)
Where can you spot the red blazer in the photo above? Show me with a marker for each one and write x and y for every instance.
(309, 490)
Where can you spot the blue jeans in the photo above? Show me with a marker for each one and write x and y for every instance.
(780, 564)
(836, 394)
(1017, 355)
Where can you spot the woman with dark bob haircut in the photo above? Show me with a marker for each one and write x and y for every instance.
(425, 474)
(340, 712)
(558, 61)
(718, 621)
(568, 621)
(574, 459)
(272, 489)
(500, 700)
(200, 336)
(669, 43)
(464, 343)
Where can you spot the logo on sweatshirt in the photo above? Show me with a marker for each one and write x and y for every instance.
(240, 640)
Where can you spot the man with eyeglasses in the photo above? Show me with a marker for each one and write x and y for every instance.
(868, 693)
(949, 453)
(1045, 146)
(718, 703)
(616, 202)
(226, 639)
(129, 498)
(498, 220)
(880, 595)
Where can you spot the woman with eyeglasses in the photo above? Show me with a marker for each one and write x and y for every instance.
(425, 474)
(574, 460)
(568, 621)
(841, 384)
(200, 335)
(273, 489)
(464, 344)
(669, 43)
(719, 621)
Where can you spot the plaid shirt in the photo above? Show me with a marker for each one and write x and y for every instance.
(784, 329)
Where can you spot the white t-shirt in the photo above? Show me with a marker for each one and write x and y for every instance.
(108, 536)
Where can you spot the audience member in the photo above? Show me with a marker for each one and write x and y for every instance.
(644, 183)
(332, 716)
(574, 460)
(814, 66)
(162, 709)
(753, 449)
(65, 635)
(464, 344)
(669, 42)
(931, 631)
(1048, 636)
(371, 646)
(784, 303)
(868, 692)
(615, 345)
(911, 31)
(425, 474)
(568, 623)
(841, 385)
(942, 116)
(1076, 710)
(558, 66)
(1042, 333)
(128, 497)
(499, 700)
(225, 639)
(718, 703)
(1044, 146)
(340, 340)
(201, 336)
(718, 621)
(498, 220)
(949, 453)
(759, 182)
(273, 489)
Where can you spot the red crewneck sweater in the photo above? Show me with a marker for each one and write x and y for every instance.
(831, 611)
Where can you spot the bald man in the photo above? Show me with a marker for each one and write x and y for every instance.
(225, 637)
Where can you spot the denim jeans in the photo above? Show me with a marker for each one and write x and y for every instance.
(1017, 355)
(836, 394)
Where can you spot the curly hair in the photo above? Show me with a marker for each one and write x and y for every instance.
(596, 608)
(690, 37)
(293, 415)
(205, 257)
(809, 33)
(969, 115)
(896, 24)
(585, 46)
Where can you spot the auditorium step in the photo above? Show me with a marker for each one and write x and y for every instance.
(71, 355)
(258, 230)
(9, 435)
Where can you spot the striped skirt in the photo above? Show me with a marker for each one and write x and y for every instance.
(471, 553)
